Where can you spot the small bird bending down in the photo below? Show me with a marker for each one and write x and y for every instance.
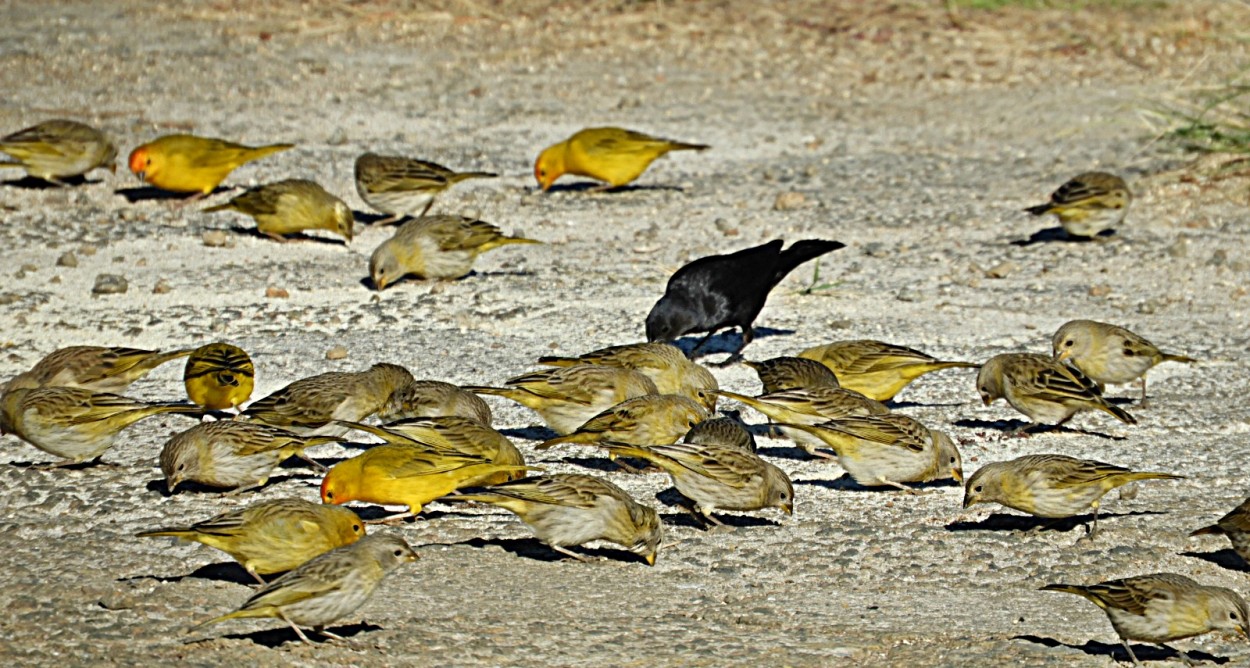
(813, 405)
(399, 186)
(652, 418)
(292, 206)
(1163, 607)
(664, 363)
(233, 454)
(876, 369)
(1108, 354)
(1051, 486)
(726, 431)
(1088, 204)
(717, 476)
(792, 373)
(311, 405)
(719, 291)
(1046, 391)
(1235, 525)
(72, 423)
(612, 155)
(435, 247)
(568, 509)
(881, 450)
(58, 149)
(273, 536)
(566, 397)
(219, 376)
(454, 435)
(190, 164)
(434, 398)
(405, 475)
(326, 588)
(95, 368)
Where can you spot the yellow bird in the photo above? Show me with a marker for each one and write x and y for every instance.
(190, 164)
(57, 149)
(219, 376)
(612, 155)
(875, 369)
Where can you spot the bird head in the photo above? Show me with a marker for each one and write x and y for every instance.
(649, 533)
(990, 381)
(978, 488)
(384, 267)
(141, 162)
(549, 166)
(334, 487)
(668, 320)
(344, 220)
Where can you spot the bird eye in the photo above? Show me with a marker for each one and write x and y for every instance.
(1069, 343)
(978, 489)
(952, 460)
(355, 528)
(330, 496)
(1232, 615)
(399, 552)
(182, 467)
(542, 172)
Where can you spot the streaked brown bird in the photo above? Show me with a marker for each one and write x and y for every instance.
(892, 449)
(58, 149)
(726, 431)
(1235, 525)
(233, 454)
(435, 247)
(311, 405)
(95, 368)
(812, 405)
(792, 373)
(664, 363)
(399, 186)
(434, 398)
(1109, 354)
(876, 369)
(288, 207)
(566, 397)
(1045, 390)
(652, 418)
(1088, 204)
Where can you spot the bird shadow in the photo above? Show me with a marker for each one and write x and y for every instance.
(795, 453)
(1226, 558)
(534, 433)
(594, 463)
(225, 571)
(532, 548)
(188, 487)
(366, 218)
(728, 341)
(847, 484)
(919, 404)
(294, 236)
(1059, 235)
(1115, 651)
(597, 188)
(150, 194)
(1010, 427)
(274, 638)
(1005, 522)
(50, 466)
(34, 183)
(675, 499)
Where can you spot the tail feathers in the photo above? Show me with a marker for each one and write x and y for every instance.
(575, 437)
(685, 146)
(1117, 412)
(237, 614)
(178, 408)
(462, 176)
(954, 365)
(559, 361)
(314, 441)
(262, 151)
(157, 533)
(494, 391)
(1213, 530)
(1169, 357)
(1039, 210)
(1151, 475)
(802, 251)
(505, 241)
(1067, 588)
(228, 206)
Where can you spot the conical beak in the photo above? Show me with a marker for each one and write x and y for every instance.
(650, 558)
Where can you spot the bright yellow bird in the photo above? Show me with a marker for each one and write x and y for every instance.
(612, 155)
(190, 164)
(219, 376)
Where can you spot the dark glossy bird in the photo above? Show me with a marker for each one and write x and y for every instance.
(720, 291)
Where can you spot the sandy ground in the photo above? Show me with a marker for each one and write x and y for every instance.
(914, 141)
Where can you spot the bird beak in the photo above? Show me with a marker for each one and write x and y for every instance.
(113, 168)
(1063, 354)
(788, 509)
(379, 285)
(985, 399)
(172, 483)
(142, 175)
(650, 558)
(958, 475)
(969, 502)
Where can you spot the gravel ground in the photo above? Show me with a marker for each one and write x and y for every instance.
(914, 140)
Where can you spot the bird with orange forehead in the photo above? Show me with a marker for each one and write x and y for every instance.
(193, 165)
(612, 155)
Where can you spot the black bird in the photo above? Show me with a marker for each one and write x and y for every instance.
(719, 291)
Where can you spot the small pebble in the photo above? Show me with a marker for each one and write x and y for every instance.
(1003, 269)
(215, 239)
(789, 201)
(161, 287)
(1100, 290)
(67, 259)
(109, 284)
(336, 353)
(276, 293)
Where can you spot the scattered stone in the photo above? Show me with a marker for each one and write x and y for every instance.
(56, 279)
(67, 259)
(1179, 248)
(215, 239)
(789, 201)
(30, 268)
(88, 250)
(110, 284)
(161, 287)
(1003, 269)
(337, 138)
(726, 228)
(1100, 290)
(336, 353)
(1218, 258)
(276, 293)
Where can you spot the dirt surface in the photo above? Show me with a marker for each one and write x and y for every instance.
(913, 136)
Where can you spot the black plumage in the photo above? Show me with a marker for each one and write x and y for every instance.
(719, 291)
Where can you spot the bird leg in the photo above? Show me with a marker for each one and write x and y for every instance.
(393, 218)
(427, 208)
(1142, 402)
(295, 628)
(899, 485)
(570, 553)
(1131, 655)
(700, 344)
(392, 520)
(315, 464)
(256, 576)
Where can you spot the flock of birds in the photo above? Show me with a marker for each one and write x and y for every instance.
(647, 406)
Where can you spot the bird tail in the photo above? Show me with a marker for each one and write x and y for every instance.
(1150, 475)
(156, 533)
(493, 391)
(505, 241)
(1039, 210)
(935, 366)
(228, 206)
(802, 251)
(261, 151)
(575, 437)
(559, 361)
(1213, 530)
(1072, 589)
(463, 176)
(314, 441)
(1118, 413)
(685, 146)
(237, 614)
(176, 408)
(1169, 357)
(750, 401)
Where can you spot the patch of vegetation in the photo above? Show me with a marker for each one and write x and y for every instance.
(1215, 120)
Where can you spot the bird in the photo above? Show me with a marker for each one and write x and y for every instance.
(1088, 204)
(435, 247)
(569, 509)
(1046, 391)
(183, 163)
(455, 435)
(233, 454)
(1235, 525)
(715, 477)
(272, 536)
(567, 397)
(95, 368)
(310, 405)
(294, 205)
(399, 186)
(1109, 354)
(727, 431)
(326, 588)
(1163, 607)
(792, 373)
(664, 363)
(219, 376)
(812, 405)
(405, 475)
(876, 369)
(1051, 486)
(73, 423)
(719, 291)
(887, 450)
(58, 149)
(652, 418)
(434, 398)
(613, 155)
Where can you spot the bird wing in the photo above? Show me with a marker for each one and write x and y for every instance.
(1067, 472)
(893, 430)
